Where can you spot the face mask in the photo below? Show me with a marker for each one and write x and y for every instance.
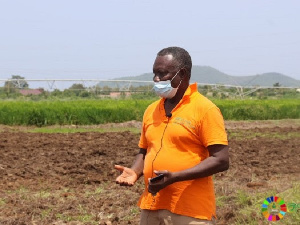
(164, 88)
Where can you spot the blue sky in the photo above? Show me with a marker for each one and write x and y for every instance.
(94, 39)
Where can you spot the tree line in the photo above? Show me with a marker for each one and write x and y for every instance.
(12, 90)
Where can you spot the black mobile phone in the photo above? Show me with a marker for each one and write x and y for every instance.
(157, 178)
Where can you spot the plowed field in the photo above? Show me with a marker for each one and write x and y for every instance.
(69, 178)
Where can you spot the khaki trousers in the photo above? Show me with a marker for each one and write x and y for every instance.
(165, 217)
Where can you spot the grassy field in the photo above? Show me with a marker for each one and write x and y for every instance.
(88, 112)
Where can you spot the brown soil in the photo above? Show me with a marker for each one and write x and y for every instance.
(68, 178)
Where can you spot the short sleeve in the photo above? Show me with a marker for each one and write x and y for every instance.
(212, 128)
(143, 140)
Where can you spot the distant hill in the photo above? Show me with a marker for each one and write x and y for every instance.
(209, 75)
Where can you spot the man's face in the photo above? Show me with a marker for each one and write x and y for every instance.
(164, 68)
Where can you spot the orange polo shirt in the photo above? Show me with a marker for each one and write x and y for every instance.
(179, 143)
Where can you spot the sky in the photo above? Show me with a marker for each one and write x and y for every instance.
(95, 39)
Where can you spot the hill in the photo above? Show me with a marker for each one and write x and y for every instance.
(209, 75)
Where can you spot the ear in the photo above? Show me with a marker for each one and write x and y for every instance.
(184, 74)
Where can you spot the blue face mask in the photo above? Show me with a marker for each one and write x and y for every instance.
(164, 89)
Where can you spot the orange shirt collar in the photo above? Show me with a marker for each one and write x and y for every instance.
(190, 90)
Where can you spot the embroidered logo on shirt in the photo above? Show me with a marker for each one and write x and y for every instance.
(184, 122)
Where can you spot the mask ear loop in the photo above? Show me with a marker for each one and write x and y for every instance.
(175, 76)
(179, 83)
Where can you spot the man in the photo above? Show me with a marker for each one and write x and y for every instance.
(183, 140)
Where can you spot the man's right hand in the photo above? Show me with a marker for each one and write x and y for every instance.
(127, 178)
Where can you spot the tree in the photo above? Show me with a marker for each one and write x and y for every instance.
(77, 87)
(276, 84)
(16, 82)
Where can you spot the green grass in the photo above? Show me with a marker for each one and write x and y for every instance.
(247, 135)
(77, 112)
(2, 202)
(248, 205)
(89, 112)
(259, 109)
(51, 199)
(82, 129)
